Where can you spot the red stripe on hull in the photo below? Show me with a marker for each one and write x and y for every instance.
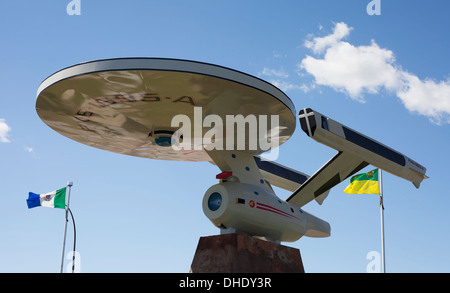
(265, 207)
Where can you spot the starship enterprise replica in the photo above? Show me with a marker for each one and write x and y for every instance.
(169, 109)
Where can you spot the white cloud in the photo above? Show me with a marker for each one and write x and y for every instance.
(4, 131)
(354, 70)
(278, 55)
(317, 45)
(29, 149)
(428, 97)
(274, 72)
(285, 85)
(358, 70)
(280, 76)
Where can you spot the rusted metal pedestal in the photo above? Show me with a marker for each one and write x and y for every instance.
(239, 253)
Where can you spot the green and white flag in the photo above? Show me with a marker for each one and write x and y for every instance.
(54, 199)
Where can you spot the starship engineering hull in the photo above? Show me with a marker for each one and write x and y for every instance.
(127, 106)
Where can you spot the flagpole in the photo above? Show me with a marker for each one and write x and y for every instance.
(383, 261)
(69, 184)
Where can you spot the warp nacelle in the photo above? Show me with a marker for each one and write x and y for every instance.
(252, 209)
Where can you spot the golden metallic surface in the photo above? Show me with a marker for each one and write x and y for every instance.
(115, 104)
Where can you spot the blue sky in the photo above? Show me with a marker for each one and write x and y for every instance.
(386, 76)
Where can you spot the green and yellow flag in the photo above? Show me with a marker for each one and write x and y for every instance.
(366, 183)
